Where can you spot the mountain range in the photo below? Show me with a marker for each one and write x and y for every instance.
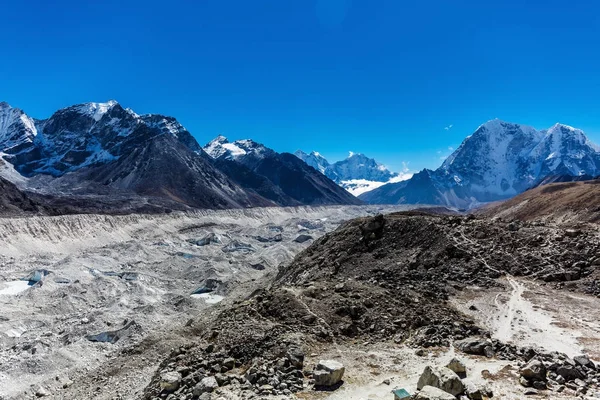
(106, 151)
(498, 161)
(104, 157)
(357, 173)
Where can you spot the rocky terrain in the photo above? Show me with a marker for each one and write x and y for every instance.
(92, 304)
(564, 202)
(385, 285)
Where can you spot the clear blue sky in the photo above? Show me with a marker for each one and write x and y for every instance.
(379, 77)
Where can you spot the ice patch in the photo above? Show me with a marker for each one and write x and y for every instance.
(209, 298)
(14, 287)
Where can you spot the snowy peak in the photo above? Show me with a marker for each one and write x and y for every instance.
(220, 148)
(357, 173)
(359, 166)
(314, 159)
(502, 159)
(17, 130)
(79, 136)
(95, 110)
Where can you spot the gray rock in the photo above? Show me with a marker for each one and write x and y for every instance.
(539, 385)
(476, 391)
(584, 361)
(441, 378)
(457, 366)
(169, 381)
(534, 370)
(42, 392)
(328, 373)
(569, 372)
(206, 385)
(524, 382)
(472, 345)
(433, 393)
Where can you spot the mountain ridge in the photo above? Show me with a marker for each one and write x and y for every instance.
(104, 149)
(498, 161)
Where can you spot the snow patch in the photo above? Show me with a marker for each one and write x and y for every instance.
(14, 287)
(209, 298)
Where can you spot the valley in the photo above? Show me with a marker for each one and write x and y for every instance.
(100, 273)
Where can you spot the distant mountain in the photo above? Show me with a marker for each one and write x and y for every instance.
(281, 177)
(498, 161)
(103, 149)
(357, 173)
(314, 159)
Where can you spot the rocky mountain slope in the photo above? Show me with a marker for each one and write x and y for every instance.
(357, 173)
(281, 177)
(104, 151)
(498, 161)
(572, 202)
(384, 279)
(15, 202)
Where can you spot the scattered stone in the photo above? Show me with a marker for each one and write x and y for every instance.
(473, 345)
(442, 378)
(42, 392)
(569, 372)
(478, 392)
(206, 385)
(534, 370)
(584, 361)
(539, 385)
(169, 381)
(458, 367)
(328, 373)
(433, 393)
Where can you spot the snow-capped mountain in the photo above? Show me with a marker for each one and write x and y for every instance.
(220, 148)
(314, 159)
(359, 166)
(281, 177)
(498, 161)
(103, 149)
(357, 173)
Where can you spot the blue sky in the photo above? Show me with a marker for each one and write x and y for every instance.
(379, 77)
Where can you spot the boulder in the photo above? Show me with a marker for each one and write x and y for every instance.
(472, 345)
(433, 393)
(206, 385)
(584, 361)
(169, 381)
(534, 370)
(457, 366)
(478, 391)
(569, 372)
(328, 373)
(441, 378)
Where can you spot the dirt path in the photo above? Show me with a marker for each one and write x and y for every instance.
(528, 314)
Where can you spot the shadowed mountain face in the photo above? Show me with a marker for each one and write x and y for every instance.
(103, 149)
(498, 161)
(281, 177)
(14, 202)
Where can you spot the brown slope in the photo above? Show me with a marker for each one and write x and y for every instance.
(563, 202)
